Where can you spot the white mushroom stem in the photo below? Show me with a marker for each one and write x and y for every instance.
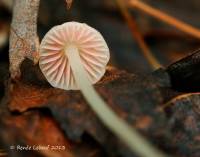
(117, 125)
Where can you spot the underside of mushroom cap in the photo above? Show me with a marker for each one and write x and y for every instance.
(92, 48)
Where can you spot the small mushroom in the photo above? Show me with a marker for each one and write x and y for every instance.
(68, 48)
(74, 56)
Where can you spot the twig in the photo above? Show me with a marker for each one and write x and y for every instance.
(23, 28)
(69, 3)
(3, 153)
(136, 34)
(138, 4)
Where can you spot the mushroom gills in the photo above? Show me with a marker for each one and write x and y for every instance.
(117, 125)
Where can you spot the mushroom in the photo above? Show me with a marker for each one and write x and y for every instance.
(74, 56)
(70, 49)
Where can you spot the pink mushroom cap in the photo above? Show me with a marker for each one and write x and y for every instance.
(92, 48)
